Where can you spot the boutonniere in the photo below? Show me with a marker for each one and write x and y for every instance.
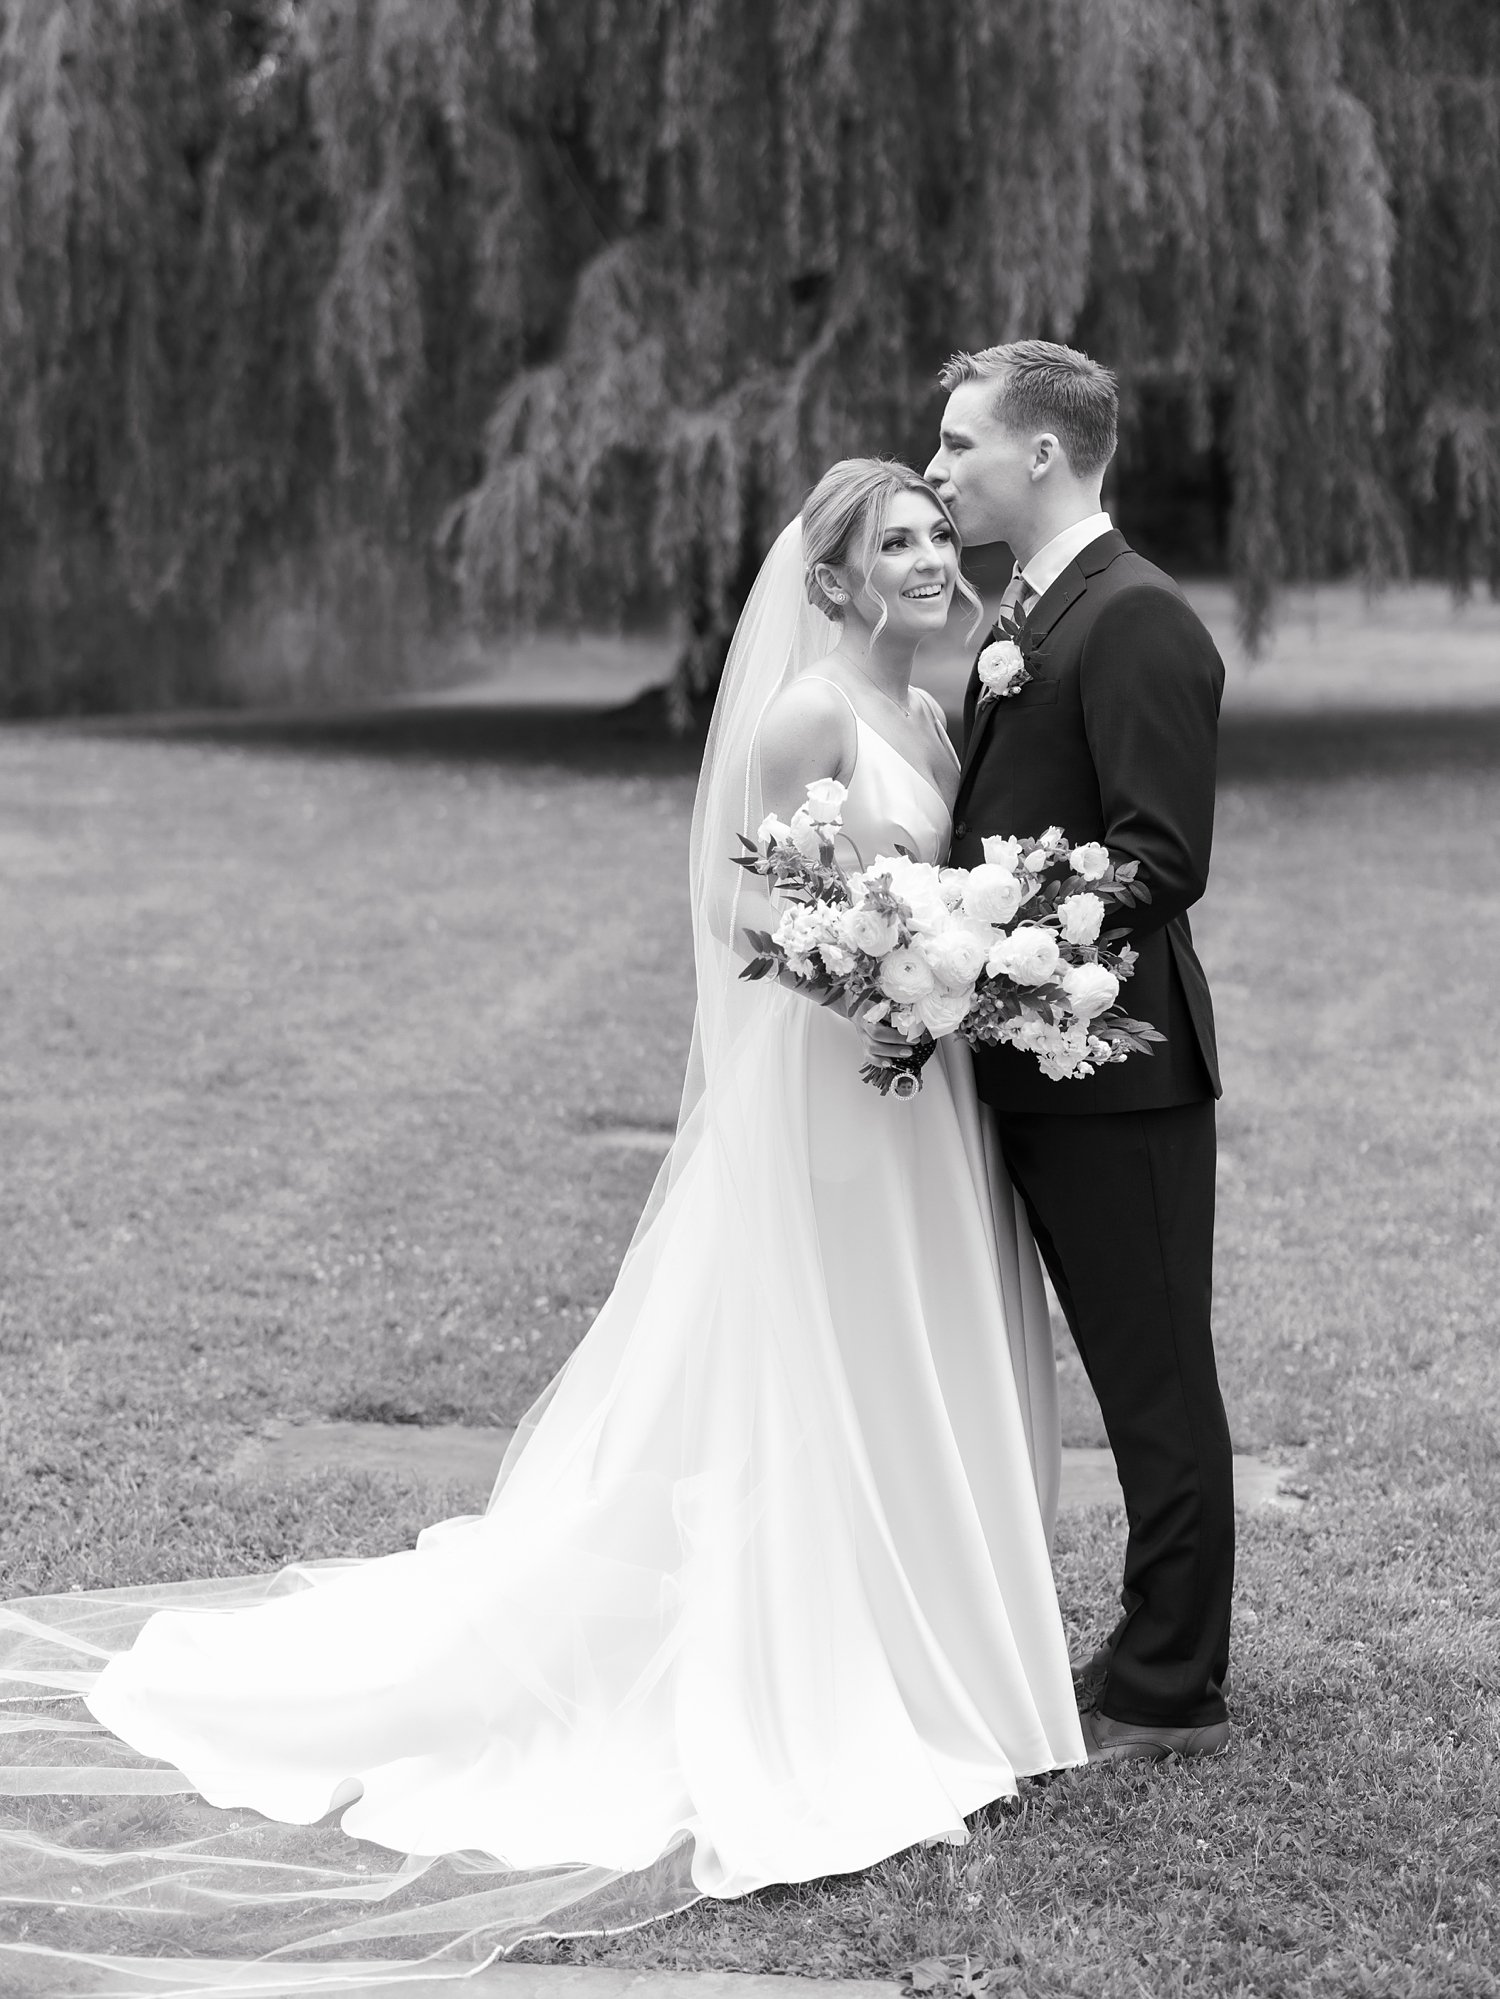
(1002, 660)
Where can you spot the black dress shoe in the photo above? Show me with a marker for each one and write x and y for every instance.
(1141, 1742)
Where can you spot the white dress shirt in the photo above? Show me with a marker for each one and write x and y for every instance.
(1051, 560)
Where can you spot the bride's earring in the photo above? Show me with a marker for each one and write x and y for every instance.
(839, 596)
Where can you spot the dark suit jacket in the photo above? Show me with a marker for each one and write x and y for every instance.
(1115, 739)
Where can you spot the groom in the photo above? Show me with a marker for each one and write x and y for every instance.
(1112, 738)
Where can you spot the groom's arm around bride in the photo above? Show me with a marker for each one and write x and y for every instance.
(1112, 738)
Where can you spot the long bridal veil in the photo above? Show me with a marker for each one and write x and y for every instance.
(115, 1875)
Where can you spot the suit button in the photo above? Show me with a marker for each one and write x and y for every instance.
(960, 829)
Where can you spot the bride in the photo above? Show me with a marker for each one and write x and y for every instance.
(763, 1590)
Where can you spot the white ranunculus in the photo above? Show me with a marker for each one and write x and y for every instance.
(944, 1012)
(906, 976)
(951, 886)
(1001, 666)
(992, 895)
(771, 828)
(1028, 954)
(1081, 917)
(1091, 990)
(1002, 850)
(825, 800)
(1090, 860)
(868, 931)
(956, 955)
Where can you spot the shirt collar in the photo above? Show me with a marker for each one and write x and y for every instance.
(1050, 561)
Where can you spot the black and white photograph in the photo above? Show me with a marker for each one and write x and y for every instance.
(750, 999)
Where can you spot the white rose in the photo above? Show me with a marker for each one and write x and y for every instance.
(1080, 917)
(868, 931)
(1090, 860)
(943, 1012)
(825, 800)
(992, 894)
(1001, 666)
(956, 956)
(1051, 840)
(905, 976)
(771, 828)
(1029, 955)
(1002, 851)
(1091, 990)
(1036, 858)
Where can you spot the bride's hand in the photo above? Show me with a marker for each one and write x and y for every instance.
(882, 1043)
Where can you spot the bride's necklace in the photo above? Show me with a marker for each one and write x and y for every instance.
(902, 708)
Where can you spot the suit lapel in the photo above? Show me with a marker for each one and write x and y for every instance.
(1063, 594)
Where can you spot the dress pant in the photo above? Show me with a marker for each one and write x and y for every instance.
(1122, 1206)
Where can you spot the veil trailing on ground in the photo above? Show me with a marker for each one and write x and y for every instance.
(115, 1876)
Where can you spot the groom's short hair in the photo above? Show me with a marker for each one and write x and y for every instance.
(1041, 385)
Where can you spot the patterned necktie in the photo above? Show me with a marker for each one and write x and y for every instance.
(1016, 603)
(1019, 597)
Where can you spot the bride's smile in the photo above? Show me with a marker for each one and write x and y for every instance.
(905, 593)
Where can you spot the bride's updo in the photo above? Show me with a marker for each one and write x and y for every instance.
(843, 519)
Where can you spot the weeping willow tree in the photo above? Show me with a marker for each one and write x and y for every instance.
(264, 267)
(512, 312)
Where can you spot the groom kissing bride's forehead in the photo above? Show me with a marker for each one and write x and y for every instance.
(1110, 732)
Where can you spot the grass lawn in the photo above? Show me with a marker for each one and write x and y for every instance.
(304, 1113)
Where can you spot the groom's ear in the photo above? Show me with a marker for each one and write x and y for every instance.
(1046, 453)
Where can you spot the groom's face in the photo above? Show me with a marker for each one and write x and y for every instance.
(984, 470)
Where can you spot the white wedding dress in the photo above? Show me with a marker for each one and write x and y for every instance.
(763, 1592)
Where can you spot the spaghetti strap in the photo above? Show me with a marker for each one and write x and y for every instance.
(824, 681)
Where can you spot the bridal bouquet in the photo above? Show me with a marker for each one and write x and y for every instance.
(1013, 951)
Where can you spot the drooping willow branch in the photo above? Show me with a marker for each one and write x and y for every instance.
(557, 311)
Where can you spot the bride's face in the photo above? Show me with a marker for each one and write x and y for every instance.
(912, 574)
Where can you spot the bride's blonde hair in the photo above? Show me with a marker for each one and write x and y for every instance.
(843, 519)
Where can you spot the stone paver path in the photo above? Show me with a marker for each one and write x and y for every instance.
(453, 1454)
